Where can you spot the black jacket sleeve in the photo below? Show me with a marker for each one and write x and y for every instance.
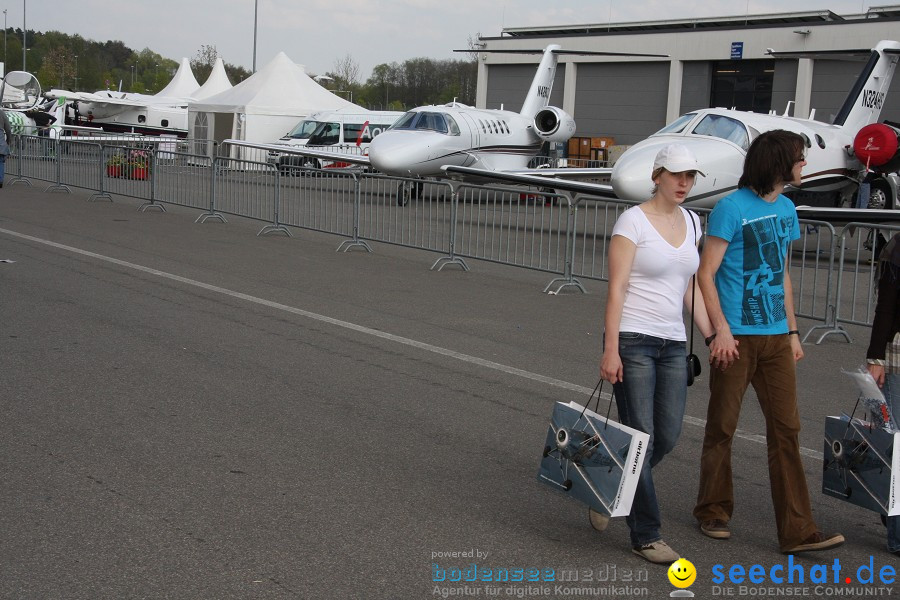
(884, 325)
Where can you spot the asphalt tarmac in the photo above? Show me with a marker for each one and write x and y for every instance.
(192, 411)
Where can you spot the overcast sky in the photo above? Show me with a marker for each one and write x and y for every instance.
(318, 32)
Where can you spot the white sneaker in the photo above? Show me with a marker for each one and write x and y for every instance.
(598, 520)
(657, 552)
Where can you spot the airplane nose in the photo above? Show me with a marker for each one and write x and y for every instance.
(390, 155)
(631, 174)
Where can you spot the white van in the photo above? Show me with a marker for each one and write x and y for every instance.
(349, 130)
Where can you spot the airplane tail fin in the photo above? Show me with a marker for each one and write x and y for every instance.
(539, 93)
(866, 98)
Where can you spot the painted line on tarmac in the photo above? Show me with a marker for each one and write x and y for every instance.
(760, 439)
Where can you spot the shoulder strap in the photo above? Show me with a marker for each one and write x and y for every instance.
(691, 216)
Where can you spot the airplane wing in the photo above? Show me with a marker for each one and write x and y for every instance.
(104, 101)
(849, 215)
(856, 54)
(343, 157)
(534, 179)
(597, 175)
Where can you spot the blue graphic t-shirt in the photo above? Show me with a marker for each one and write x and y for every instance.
(750, 280)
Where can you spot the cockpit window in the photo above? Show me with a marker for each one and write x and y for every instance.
(429, 121)
(405, 122)
(432, 122)
(725, 128)
(678, 125)
(451, 124)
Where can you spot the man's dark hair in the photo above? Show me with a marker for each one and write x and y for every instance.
(770, 160)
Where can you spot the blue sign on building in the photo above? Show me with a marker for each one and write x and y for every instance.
(737, 50)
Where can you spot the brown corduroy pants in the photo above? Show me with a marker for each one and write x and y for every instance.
(767, 363)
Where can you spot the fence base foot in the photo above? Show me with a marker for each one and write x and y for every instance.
(103, 195)
(210, 215)
(58, 188)
(566, 283)
(147, 205)
(449, 260)
(17, 179)
(275, 229)
(347, 245)
(831, 329)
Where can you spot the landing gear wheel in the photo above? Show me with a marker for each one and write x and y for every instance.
(403, 194)
(409, 190)
(880, 196)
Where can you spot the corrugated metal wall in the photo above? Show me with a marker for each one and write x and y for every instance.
(508, 84)
(626, 101)
(832, 81)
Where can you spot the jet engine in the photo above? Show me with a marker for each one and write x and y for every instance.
(877, 146)
(554, 124)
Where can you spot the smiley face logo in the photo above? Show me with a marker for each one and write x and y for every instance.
(682, 573)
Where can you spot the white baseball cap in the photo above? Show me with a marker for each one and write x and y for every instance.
(676, 158)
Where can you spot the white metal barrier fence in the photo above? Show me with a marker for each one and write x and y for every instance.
(857, 277)
(543, 231)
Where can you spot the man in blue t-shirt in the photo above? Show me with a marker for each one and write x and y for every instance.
(747, 290)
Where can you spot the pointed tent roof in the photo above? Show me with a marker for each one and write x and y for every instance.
(183, 83)
(217, 82)
(279, 88)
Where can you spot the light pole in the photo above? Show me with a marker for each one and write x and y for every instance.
(76, 74)
(255, 12)
(24, 35)
(4, 42)
(156, 78)
(132, 78)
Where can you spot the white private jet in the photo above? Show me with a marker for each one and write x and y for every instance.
(428, 138)
(839, 155)
(127, 112)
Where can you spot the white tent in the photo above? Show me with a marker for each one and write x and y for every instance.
(263, 107)
(216, 83)
(183, 84)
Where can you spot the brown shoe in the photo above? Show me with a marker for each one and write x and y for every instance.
(817, 541)
(716, 529)
(657, 552)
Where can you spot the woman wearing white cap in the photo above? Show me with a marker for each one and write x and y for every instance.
(652, 256)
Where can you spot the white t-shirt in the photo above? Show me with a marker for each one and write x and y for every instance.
(660, 275)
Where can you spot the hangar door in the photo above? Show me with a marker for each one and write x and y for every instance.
(626, 101)
(508, 84)
(832, 80)
(743, 84)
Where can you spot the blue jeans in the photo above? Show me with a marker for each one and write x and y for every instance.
(2, 166)
(891, 391)
(651, 398)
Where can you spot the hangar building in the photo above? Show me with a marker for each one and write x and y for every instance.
(712, 62)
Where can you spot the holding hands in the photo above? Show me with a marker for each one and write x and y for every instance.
(723, 350)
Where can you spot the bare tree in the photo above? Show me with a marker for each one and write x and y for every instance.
(202, 64)
(346, 72)
(473, 42)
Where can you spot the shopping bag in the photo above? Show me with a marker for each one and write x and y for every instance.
(592, 459)
(861, 464)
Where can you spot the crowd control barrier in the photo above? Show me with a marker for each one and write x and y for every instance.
(833, 273)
